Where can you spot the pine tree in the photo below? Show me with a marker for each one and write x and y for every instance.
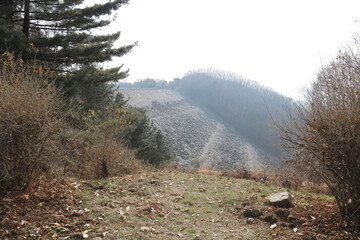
(59, 34)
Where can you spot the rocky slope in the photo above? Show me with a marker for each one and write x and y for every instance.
(197, 138)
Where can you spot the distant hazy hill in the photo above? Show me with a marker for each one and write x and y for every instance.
(213, 118)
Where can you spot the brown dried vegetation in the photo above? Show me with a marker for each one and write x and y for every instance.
(38, 137)
(324, 132)
(30, 123)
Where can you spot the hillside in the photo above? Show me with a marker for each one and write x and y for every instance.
(213, 118)
(165, 205)
(243, 104)
(197, 137)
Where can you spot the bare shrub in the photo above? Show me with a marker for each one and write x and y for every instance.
(107, 159)
(30, 123)
(323, 134)
(98, 151)
(239, 172)
(208, 171)
(171, 166)
(286, 178)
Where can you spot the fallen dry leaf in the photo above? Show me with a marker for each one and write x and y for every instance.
(85, 234)
(145, 229)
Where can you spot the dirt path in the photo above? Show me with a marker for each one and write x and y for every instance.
(213, 140)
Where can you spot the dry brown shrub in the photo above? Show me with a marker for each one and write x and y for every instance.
(30, 123)
(286, 177)
(208, 171)
(107, 159)
(240, 172)
(322, 135)
(97, 152)
(291, 179)
(171, 166)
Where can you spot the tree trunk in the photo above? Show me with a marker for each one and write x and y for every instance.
(26, 27)
(26, 24)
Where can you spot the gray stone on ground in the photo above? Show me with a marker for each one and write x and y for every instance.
(282, 199)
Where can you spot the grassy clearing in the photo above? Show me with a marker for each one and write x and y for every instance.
(173, 205)
(178, 205)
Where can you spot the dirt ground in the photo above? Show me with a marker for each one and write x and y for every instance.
(166, 205)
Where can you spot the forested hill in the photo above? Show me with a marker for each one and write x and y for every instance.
(244, 106)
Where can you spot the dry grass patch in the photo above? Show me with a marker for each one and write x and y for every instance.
(208, 171)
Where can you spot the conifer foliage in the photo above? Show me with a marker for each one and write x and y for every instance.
(60, 34)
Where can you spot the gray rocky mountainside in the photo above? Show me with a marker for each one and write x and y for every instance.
(198, 138)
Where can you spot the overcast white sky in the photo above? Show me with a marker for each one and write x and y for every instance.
(278, 43)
